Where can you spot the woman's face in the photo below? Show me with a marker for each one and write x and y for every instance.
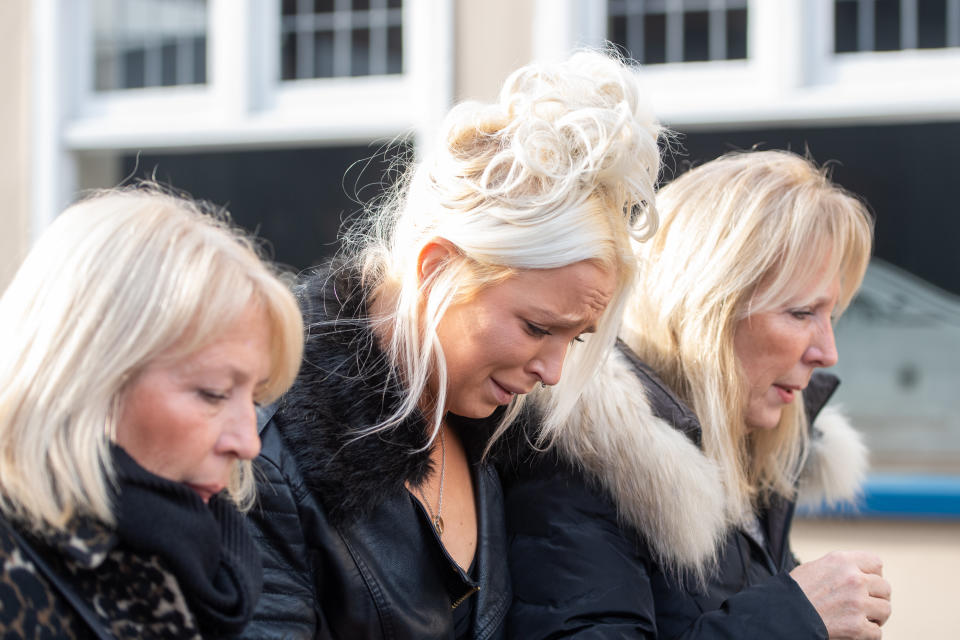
(514, 334)
(191, 419)
(779, 349)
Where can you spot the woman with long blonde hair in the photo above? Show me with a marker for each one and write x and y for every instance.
(663, 509)
(503, 259)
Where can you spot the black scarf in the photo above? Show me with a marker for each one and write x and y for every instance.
(206, 546)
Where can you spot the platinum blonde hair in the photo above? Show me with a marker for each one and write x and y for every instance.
(117, 281)
(561, 169)
(742, 234)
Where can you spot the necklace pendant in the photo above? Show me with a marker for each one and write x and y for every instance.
(438, 524)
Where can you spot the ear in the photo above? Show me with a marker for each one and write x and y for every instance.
(433, 257)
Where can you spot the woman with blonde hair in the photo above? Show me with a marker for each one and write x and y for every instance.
(503, 250)
(138, 335)
(663, 509)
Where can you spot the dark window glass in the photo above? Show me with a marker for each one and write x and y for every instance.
(288, 56)
(696, 36)
(293, 198)
(134, 61)
(655, 38)
(288, 8)
(887, 25)
(168, 64)
(200, 59)
(323, 6)
(617, 33)
(931, 24)
(394, 4)
(360, 53)
(394, 50)
(845, 26)
(736, 34)
(323, 54)
(361, 5)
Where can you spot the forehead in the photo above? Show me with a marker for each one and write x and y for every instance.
(572, 295)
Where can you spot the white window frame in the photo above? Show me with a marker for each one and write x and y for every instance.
(791, 74)
(244, 103)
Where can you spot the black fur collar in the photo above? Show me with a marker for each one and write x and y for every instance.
(344, 387)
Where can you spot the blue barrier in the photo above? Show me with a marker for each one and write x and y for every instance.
(890, 495)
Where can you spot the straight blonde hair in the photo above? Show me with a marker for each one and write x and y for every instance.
(117, 281)
(740, 235)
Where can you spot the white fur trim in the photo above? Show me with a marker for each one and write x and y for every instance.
(662, 484)
(837, 464)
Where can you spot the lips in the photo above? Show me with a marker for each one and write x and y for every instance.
(206, 491)
(503, 393)
(787, 392)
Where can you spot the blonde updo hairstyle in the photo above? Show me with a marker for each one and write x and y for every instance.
(116, 282)
(560, 169)
(742, 234)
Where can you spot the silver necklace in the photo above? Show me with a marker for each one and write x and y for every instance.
(435, 518)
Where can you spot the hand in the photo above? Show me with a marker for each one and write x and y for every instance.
(848, 591)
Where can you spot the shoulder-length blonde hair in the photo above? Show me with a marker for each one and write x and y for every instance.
(560, 169)
(115, 282)
(740, 235)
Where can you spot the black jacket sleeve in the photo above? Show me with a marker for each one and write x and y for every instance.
(288, 604)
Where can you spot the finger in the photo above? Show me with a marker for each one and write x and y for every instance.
(867, 562)
(870, 631)
(877, 610)
(878, 587)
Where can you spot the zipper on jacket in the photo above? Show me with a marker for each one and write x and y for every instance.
(459, 601)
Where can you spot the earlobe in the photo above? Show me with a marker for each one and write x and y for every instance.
(433, 256)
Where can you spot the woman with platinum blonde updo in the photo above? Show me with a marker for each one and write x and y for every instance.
(138, 335)
(663, 509)
(503, 257)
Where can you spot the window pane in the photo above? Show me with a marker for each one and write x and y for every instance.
(323, 54)
(655, 38)
(339, 38)
(394, 50)
(168, 64)
(140, 43)
(887, 26)
(696, 34)
(931, 24)
(288, 56)
(360, 53)
(845, 26)
(655, 31)
(736, 34)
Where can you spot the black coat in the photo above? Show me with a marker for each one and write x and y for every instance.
(347, 551)
(580, 569)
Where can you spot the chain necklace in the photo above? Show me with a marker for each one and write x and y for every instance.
(435, 518)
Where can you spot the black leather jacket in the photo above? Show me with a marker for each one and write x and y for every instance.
(347, 551)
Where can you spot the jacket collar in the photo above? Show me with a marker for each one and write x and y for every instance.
(346, 385)
(633, 436)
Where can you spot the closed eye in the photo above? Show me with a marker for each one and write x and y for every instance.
(213, 397)
(534, 330)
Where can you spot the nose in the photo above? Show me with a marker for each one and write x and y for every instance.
(547, 364)
(240, 437)
(822, 351)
